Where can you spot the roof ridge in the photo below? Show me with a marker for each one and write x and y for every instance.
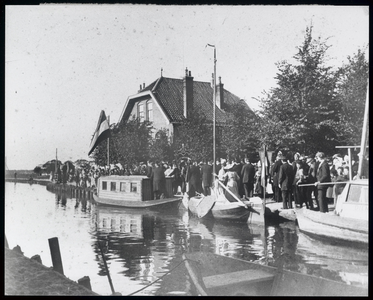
(156, 84)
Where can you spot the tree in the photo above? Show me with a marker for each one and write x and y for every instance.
(160, 147)
(301, 112)
(193, 137)
(128, 144)
(351, 95)
(239, 135)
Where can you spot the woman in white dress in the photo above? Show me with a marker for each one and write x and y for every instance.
(232, 185)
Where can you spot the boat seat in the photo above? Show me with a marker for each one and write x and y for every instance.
(247, 276)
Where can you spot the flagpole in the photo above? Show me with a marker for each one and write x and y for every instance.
(56, 165)
(108, 145)
(364, 134)
(214, 109)
(264, 187)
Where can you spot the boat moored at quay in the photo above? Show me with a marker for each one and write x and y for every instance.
(217, 275)
(348, 222)
(133, 191)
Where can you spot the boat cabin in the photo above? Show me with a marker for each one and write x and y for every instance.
(129, 188)
(353, 201)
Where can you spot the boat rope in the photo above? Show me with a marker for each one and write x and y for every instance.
(168, 272)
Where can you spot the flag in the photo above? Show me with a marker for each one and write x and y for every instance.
(102, 132)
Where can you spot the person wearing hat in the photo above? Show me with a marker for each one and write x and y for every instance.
(248, 178)
(159, 180)
(274, 174)
(294, 194)
(285, 182)
(206, 172)
(193, 179)
(323, 176)
(311, 178)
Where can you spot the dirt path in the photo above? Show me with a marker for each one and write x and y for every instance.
(24, 276)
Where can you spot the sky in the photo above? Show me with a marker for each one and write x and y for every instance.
(66, 63)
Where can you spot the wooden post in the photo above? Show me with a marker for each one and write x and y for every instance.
(86, 282)
(56, 254)
(350, 163)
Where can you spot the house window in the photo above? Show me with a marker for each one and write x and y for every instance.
(133, 187)
(141, 112)
(150, 111)
(104, 185)
(113, 186)
(122, 186)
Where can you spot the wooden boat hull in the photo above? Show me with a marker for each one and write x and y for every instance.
(231, 211)
(208, 206)
(169, 203)
(216, 275)
(328, 225)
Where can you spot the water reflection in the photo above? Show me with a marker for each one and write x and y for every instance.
(140, 246)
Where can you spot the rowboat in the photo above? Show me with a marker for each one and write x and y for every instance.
(217, 275)
(216, 206)
(133, 192)
(349, 220)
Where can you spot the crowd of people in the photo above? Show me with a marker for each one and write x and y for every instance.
(298, 180)
(236, 178)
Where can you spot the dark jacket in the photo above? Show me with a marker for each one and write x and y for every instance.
(149, 171)
(323, 175)
(158, 179)
(276, 171)
(193, 175)
(248, 173)
(206, 171)
(286, 176)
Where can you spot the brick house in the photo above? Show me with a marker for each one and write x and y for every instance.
(167, 101)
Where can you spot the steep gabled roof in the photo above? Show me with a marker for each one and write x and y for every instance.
(169, 93)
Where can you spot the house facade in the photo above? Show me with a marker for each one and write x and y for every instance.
(168, 101)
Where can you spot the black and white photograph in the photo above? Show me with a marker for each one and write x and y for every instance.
(186, 150)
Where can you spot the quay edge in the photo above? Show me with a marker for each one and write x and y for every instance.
(25, 276)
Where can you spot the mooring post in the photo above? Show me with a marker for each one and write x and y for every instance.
(56, 254)
(86, 282)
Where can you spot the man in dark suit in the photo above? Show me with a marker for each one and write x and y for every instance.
(206, 172)
(193, 178)
(159, 181)
(248, 178)
(285, 182)
(323, 175)
(275, 172)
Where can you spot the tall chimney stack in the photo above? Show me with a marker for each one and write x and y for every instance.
(220, 94)
(188, 93)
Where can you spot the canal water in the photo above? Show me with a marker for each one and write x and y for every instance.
(141, 247)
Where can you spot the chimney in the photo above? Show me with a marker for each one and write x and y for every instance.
(220, 94)
(140, 88)
(188, 93)
(143, 85)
